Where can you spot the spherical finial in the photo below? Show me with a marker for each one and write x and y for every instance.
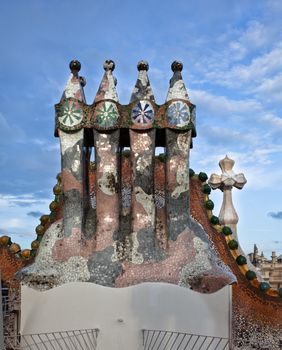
(75, 66)
(176, 66)
(143, 65)
(109, 65)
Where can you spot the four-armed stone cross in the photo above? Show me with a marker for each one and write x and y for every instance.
(225, 182)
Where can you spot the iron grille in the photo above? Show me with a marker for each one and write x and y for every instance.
(167, 340)
(9, 305)
(83, 339)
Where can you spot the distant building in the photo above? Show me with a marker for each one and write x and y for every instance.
(270, 269)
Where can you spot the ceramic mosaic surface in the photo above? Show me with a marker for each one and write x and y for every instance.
(178, 114)
(140, 228)
(120, 244)
(142, 113)
(70, 114)
(107, 115)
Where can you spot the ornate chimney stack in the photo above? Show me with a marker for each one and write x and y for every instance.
(179, 115)
(142, 141)
(106, 142)
(69, 128)
(127, 237)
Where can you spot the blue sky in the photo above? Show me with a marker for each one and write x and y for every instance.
(231, 52)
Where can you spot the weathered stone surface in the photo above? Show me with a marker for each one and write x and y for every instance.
(154, 238)
(138, 227)
(46, 272)
(142, 87)
(107, 187)
(73, 158)
(103, 270)
(177, 160)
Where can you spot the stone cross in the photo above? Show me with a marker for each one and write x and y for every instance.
(225, 182)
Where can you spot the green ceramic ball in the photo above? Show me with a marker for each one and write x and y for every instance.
(206, 189)
(264, 286)
(226, 231)
(214, 220)
(202, 177)
(233, 244)
(209, 204)
(241, 260)
(251, 275)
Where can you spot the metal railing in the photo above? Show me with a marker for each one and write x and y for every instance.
(83, 339)
(9, 305)
(5, 305)
(168, 340)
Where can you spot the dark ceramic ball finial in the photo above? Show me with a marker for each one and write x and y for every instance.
(176, 66)
(143, 65)
(75, 66)
(109, 65)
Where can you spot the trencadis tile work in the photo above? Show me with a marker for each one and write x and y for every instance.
(123, 215)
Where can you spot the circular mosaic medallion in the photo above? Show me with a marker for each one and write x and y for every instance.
(142, 113)
(107, 115)
(70, 115)
(178, 114)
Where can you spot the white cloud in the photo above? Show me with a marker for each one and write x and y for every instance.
(227, 138)
(39, 142)
(9, 131)
(275, 6)
(270, 88)
(13, 223)
(247, 61)
(223, 105)
(25, 200)
(15, 218)
(244, 129)
(273, 120)
(3, 123)
(249, 76)
(262, 177)
(46, 145)
(53, 147)
(255, 36)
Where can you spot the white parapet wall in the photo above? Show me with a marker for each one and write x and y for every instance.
(122, 314)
